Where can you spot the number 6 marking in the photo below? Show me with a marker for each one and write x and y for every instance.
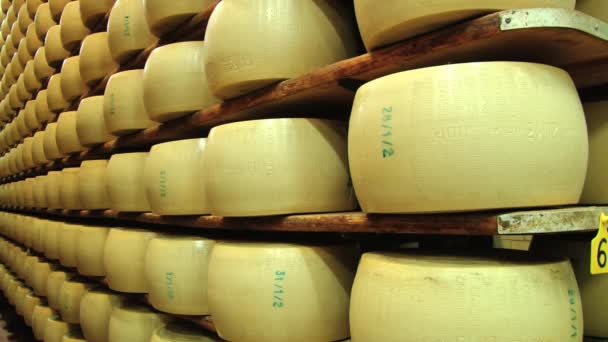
(601, 255)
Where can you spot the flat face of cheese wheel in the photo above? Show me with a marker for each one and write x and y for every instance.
(72, 84)
(468, 140)
(128, 31)
(73, 29)
(95, 59)
(125, 182)
(95, 309)
(595, 190)
(90, 122)
(123, 107)
(92, 184)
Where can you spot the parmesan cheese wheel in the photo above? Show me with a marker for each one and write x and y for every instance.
(11, 15)
(92, 184)
(5, 29)
(57, 7)
(4, 58)
(306, 172)
(123, 106)
(43, 20)
(28, 265)
(40, 274)
(67, 136)
(39, 196)
(168, 91)
(126, 244)
(39, 318)
(52, 190)
(73, 29)
(22, 92)
(17, 4)
(133, 323)
(96, 61)
(32, 6)
(31, 120)
(33, 42)
(54, 95)
(12, 287)
(300, 292)
(31, 80)
(128, 31)
(28, 161)
(39, 225)
(21, 126)
(17, 34)
(89, 250)
(15, 102)
(405, 297)
(43, 113)
(51, 235)
(592, 289)
(174, 180)
(20, 294)
(595, 190)
(163, 16)
(125, 182)
(17, 66)
(95, 309)
(596, 8)
(181, 333)
(72, 85)
(29, 193)
(55, 329)
(93, 11)
(90, 122)
(51, 150)
(42, 69)
(69, 299)
(310, 33)
(495, 141)
(176, 274)
(5, 4)
(29, 303)
(53, 285)
(68, 240)
(23, 54)
(38, 149)
(23, 19)
(53, 46)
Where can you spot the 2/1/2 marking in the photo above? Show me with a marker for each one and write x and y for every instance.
(387, 132)
(278, 291)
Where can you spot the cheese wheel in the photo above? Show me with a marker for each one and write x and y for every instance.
(19, 162)
(29, 193)
(53, 285)
(17, 34)
(54, 95)
(68, 192)
(133, 323)
(123, 106)
(174, 180)
(126, 244)
(595, 190)
(31, 80)
(51, 236)
(40, 274)
(29, 303)
(21, 126)
(20, 294)
(28, 265)
(53, 46)
(397, 297)
(43, 20)
(38, 149)
(73, 29)
(43, 113)
(23, 53)
(95, 309)
(596, 8)
(592, 289)
(168, 92)
(22, 92)
(306, 172)
(89, 250)
(23, 19)
(72, 85)
(14, 100)
(4, 58)
(17, 67)
(11, 15)
(163, 16)
(39, 318)
(68, 240)
(5, 29)
(52, 189)
(51, 150)
(38, 229)
(32, 6)
(534, 110)
(128, 31)
(31, 120)
(397, 20)
(311, 34)
(176, 274)
(73, 336)
(57, 7)
(296, 292)
(125, 182)
(96, 61)
(90, 122)
(5, 4)
(28, 161)
(12, 287)
(33, 42)
(42, 69)
(17, 4)
(93, 11)
(92, 184)
(55, 329)
(39, 195)
(67, 136)
(175, 332)
(69, 299)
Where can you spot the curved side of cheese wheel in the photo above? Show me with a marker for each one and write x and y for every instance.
(73, 30)
(28, 161)
(52, 190)
(57, 7)
(473, 288)
(54, 95)
(43, 113)
(92, 11)
(23, 53)
(89, 250)
(53, 285)
(92, 184)
(163, 17)
(33, 42)
(32, 7)
(51, 238)
(53, 47)
(90, 122)
(43, 20)
(31, 120)
(40, 275)
(72, 85)
(593, 289)
(67, 136)
(39, 318)
(95, 309)
(68, 240)
(22, 92)
(20, 294)
(39, 196)
(38, 149)
(595, 190)
(5, 4)
(493, 148)
(133, 322)
(70, 294)
(31, 80)
(123, 107)
(23, 19)
(55, 329)
(29, 304)
(42, 69)
(125, 183)
(96, 60)
(128, 36)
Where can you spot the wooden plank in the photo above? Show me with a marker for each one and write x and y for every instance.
(576, 219)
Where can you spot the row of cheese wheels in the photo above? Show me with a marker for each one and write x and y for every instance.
(278, 291)
(458, 137)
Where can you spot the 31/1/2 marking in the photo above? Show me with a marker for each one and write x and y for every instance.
(278, 292)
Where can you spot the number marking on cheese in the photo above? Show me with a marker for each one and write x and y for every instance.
(573, 315)
(278, 292)
(387, 134)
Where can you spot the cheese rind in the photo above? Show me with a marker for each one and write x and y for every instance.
(133, 323)
(73, 30)
(96, 61)
(51, 239)
(128, 31)
(72, 85)
(55, 329)
(57, 7)
(53, 46)
(125, 182)
(593, 289)
(29, 303)
(39, 318)
(92, 184)
(40, 273)
(54, 95)
(92, 11)
(42, 69)
(90, 122)
(66, 134)
(52, 190)
(43, 113)
(68, 238)
(595, 190)
(123, 107)
(163, 17)
(43, 20)
(595, 8)
(175, 332)
(70, 294)
(89, 250)
(68, 191)
(95, 309)
(53, 285)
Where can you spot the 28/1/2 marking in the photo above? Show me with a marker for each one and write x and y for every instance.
(278, 292)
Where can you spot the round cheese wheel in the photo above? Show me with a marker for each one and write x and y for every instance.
(397, 20)
(17, 34)
(42, 69)
(68, 240)
(397, 297)
(128, 31)
(595, 190)
(90, 122)
(96, 61)
(67, 136)
(72, 85)
(55, 329)
(28, 265)
(38, 149)
(73, 29)
(43, 113)
(89, 250)
(39, 195)
(51, 236)
(40, 274)
(57, 7)
(43, 20)
(92, 184)
(53, 285)
(32, 6)
(174, 180)
(17, 66)
(5, 5)
(23, 19)
(39, 318)
(12, 287)
(163, 16)
(31, 80)
(301, 292)
(17, 4)
(19, 161)
(29, 303)
(51, 150)
(176, 274)
(39, 225)
(125, 182)
(126, 244)
(592, 289)
(23, 54)
(22, 92)
(4, 58)
(55, 98)
(52, 189)
(11, 15)
(5, 29)
(28, 161)
(133, 322)
(93, 11)
(29, 193)
(15, 101)
(168, 91)
(123, 107)
(595, 8)
(53, 46)
(495, 141)
(31, 120)
(95, 309)
(69, 195)
(70, 294)
(20, 294)
(33, 42)
(179, 332)
(310, 33)
(306, 172)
